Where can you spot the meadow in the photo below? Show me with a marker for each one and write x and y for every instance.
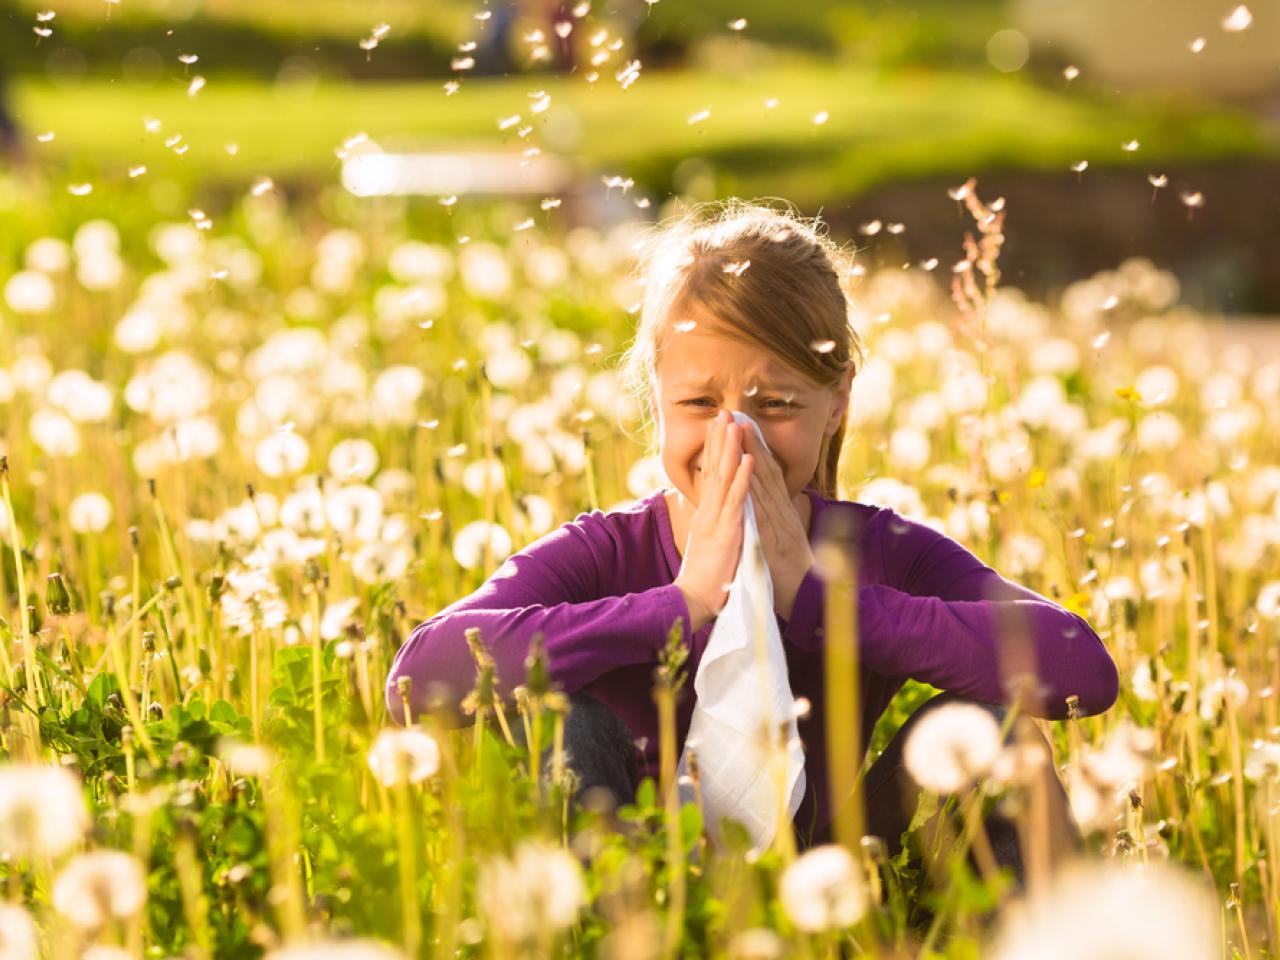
(246, 452)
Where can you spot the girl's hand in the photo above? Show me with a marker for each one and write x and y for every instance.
(715, 531)
(782, 532)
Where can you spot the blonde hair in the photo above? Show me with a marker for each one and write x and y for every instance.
(769, 278)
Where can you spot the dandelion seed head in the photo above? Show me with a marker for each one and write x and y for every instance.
(42, 810)
(951, 746)
(403, 755)
(823, 889)
(99, 886)
(18, 937)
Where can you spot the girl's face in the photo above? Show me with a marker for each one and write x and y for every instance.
(700, 372)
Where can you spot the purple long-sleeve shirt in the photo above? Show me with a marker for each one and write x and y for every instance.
(601, 590)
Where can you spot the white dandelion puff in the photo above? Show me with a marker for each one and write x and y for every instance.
(42, 810)
(403, 756)
(1105, 910)
(539, 887)
(89, 513)
(823, 889)
(18, 937)
(100, 886)
(468, 543)
(951, 746)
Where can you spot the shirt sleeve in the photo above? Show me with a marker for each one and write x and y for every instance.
(940, 617)
(554, 586)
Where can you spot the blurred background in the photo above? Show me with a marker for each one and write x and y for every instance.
(1113, 128)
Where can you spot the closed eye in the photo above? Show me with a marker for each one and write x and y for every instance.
(780, 404)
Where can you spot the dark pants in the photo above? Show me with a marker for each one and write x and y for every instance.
(602, 753)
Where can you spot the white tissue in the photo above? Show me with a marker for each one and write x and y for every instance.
(736, 698)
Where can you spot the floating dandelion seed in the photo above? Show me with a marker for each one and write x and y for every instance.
(1196, 45)
(699, 116)
(821, 117)
(467, 46)
(591, 76)
(1071, 72)
(1238, 19)
(45, 137)
(462, 63)
(137, 171)
(1130, 146)
(895, 228)
(232, 148)
(188, 58)
(173, 141)
(1193, 199)
(550, 203)
(541, 104)
(870, 228)
(42, 32)
(524, 131)
(368, 44)
(1100, 341)
(449, 201)
(625, 183)
(582, 9)
(929, 264)
(506, 123)
(958, 193)
(484, 15)
(523, 225)
(1111, 302)
(616, 45)
(563, 29)
(770, 103)
(451, 87)
(822, 346)
(1080, 166)
(44, 16)
(628, 74)
(737, 268)
(196, 85)
(262, 185)
(150, 124)
(599, 37)
(380, 30)
(528, 153)
(80, 189)
(739, 24)
(684, 326)
(642, 203)
(1158, 182)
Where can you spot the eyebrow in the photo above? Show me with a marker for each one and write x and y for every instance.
(708, 382)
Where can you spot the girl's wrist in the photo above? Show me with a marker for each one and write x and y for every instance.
(699, 614)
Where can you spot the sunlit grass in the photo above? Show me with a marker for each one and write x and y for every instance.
(880, 126)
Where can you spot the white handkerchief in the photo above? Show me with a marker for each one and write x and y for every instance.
(740, 689)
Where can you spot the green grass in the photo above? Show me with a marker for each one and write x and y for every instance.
(881, 127)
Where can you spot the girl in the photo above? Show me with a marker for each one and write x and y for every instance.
(745, 310)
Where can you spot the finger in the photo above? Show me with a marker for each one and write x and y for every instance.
(710, 448)
(730, 457)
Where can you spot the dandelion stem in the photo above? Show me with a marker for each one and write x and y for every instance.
(317, 653)
(20, 577)
(844, 723)
(411, 918)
